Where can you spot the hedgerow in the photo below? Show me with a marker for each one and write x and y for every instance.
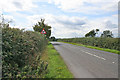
(110, 43)
(21, 52)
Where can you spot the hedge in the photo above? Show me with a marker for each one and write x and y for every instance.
(110, 43)
(21, 51)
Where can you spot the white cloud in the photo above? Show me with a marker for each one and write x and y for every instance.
(71, 20)
(85, 6)
(16, 5)
(8, 18)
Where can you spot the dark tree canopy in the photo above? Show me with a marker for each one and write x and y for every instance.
(92, 33)
(107, 33)
(40, 26)
(53, 38)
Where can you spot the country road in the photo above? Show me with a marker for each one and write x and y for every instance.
(88, 63)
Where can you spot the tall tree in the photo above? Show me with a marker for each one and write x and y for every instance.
(40, 26)
(107, 33)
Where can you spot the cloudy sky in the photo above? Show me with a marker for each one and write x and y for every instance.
(68, 18)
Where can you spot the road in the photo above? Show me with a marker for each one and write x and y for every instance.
(88, 63)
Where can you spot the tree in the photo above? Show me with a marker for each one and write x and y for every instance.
(3, 22)
(107, 33)
(40, 26)
(53, 38)
(92, 33)
(97, 31)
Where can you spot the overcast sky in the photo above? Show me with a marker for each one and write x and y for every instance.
(68, 18)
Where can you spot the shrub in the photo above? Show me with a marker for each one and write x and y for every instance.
(21, 51)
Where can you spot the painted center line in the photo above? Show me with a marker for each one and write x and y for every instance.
(95, 55)
(103, 58)
(113, 62)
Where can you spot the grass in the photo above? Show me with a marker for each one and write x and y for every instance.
(56, 66)
(93, 47)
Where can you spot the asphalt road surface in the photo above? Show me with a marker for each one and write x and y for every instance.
(88, 63)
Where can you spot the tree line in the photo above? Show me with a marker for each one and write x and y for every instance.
(106, 33)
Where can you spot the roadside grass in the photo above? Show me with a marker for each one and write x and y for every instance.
(56, 66)
(93, 47)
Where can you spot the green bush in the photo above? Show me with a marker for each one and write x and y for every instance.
(110, 43)
(21, 51)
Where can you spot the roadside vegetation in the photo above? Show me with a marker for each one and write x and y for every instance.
(105, 42)
(21, 53)
(22, 50)
(27, 54)
(93, 47)
(56, 68)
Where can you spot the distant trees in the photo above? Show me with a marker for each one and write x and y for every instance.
(107, 33)
(40, 26)
(53, 38)
(92, 33)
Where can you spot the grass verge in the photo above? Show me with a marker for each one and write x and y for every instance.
(56, 66)
(103, 49)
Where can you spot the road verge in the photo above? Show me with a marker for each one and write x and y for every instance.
(56, 66)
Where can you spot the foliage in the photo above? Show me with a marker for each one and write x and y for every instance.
(40, 26)
(92, 33)
(107, 33)
(21, 53)
(53, 38)
(110, 43)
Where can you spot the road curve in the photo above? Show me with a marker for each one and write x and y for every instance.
(88, 63)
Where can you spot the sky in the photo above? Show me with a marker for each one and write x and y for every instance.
(68, 18)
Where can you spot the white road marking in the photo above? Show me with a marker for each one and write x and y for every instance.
(95, 55)
(88, 53)
(113, 62)
(103, 58)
